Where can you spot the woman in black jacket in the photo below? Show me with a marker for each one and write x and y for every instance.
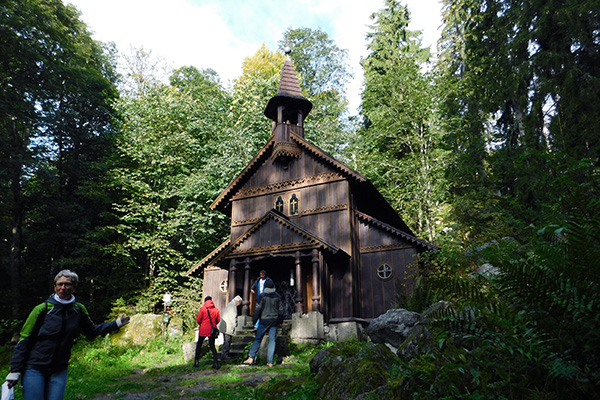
(42, 354)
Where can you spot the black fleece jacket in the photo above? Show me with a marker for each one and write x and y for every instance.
(49, 349)
(270, 309)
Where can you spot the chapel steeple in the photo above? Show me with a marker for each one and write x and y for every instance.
(288, 109)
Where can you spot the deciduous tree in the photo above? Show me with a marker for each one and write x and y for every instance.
(55, 126)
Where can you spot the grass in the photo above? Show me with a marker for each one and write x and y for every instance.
(158, 369)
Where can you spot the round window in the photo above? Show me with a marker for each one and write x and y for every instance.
(385, 272)
(223, 286)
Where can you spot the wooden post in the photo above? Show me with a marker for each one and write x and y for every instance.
(316, 298)
(232, 282)
(246, 302)
(299, 306)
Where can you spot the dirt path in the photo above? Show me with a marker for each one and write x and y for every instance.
(189, 383)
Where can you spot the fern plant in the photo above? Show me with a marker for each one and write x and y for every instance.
(531, 332)
(558, 287)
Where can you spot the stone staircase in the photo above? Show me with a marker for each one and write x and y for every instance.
(240, 343)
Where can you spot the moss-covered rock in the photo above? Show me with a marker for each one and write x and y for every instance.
(347, 370)
(141, 329)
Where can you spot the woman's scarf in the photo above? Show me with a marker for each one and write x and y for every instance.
(62, 301)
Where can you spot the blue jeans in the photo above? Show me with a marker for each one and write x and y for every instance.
(260, 332)
(40, 386)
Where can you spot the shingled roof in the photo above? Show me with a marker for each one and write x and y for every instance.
(368, 197)
(289, 94)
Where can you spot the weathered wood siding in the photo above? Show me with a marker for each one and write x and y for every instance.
(323, 200)
(213, 276)
(379, 247)
(340, 291)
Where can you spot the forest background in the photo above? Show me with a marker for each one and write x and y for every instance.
(495, 140)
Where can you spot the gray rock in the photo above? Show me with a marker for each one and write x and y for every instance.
(141, 329)
(486, 271)
(401, 330)
(393, 327)
(189, 351)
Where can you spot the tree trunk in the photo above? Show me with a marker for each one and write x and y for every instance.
(14, 259)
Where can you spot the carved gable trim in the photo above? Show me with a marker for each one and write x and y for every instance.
(388, 247)
(312, 211)
(287, 185)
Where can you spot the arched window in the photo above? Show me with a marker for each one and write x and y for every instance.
(279, 204)
(294, 205)
(384, 272)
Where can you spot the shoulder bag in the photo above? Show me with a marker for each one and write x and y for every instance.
(214, 331)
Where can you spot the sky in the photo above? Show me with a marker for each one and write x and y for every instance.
(219, 34)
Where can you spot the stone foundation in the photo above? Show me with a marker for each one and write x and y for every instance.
(345, 330)
(307, 328)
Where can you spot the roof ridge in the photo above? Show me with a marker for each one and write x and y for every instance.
(388, 227)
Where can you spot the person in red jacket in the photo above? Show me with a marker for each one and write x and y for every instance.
(208, 317)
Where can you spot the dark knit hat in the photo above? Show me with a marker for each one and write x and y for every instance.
(269, 284)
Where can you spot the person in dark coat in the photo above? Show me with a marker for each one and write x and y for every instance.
(206, 325)
(270, 313)
(41, 357)
(259, 287)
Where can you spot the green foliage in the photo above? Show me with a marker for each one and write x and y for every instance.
(530, 332)
(515, 90)
(167, 147)
(56, 138)
(186, 302)
(8, 329)
(119, 307)
(322, 65)
(399, 146)
(250, 129)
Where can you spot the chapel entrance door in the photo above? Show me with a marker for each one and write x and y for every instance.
(281, 271)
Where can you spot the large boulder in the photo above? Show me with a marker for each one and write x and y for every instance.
(141, 329)
(175, 327)
(346, 372)
(400, 330)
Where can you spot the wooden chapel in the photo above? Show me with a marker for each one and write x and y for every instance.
(322, 231)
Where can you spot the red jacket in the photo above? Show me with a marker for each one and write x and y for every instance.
(204, 322)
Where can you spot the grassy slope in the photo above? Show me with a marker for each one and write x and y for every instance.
(157, 370)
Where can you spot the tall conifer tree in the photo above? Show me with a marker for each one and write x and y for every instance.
(399, 144)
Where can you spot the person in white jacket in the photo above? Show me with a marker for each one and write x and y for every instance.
(228, 325)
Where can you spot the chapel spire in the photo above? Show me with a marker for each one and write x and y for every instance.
(288, 105)
(288, 109)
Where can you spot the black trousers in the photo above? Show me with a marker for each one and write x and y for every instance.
(226, 344)
(211, 344)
